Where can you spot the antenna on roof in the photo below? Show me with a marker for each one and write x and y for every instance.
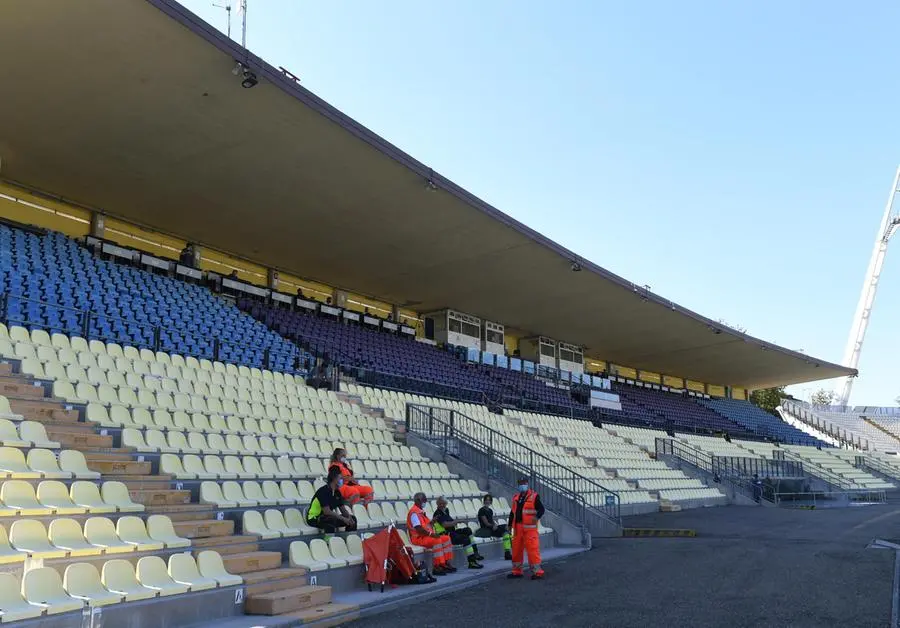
(243, 9)
(227, 8)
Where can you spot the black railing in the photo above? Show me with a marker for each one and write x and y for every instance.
(90, 325)
(564, 491)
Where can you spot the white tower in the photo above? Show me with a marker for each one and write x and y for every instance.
(889, 224)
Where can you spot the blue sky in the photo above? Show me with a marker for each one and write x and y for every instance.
(735, 156)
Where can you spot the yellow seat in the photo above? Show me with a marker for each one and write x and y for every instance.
(66, 534)
(6, 411)
(183, 570)
(192, 466)
(9, 435)
(300, 556)
(30, 536)
(159, 527)
(19, 495)
(272, 492)
(232, 492)
(354, 549)
(211, 493)
(44, 588)
(82, 582)
(44, 462)
(74, 462)
(13, 606)
(296, 519)
(100, 532)
(132, 530)
(8, 555)
(87, 494)
(34, 432)
(54, 494)
(118, 576)
(253, 491)
(320, 551)
(116, 494)
(12, 465)
(252, 523)
(340, 551)
(211, 566)
(153, 573)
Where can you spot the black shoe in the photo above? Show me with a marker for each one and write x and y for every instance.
(514, 576)
(478, 557)
(535, 576)
(438, 571)
(449, 568)
(507, 555)
(474, 564)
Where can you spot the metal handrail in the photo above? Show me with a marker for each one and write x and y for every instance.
(877, 465)
(451, 428)
(868, 496)
(820, 472)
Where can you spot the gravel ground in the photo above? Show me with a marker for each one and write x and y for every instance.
(749, 567)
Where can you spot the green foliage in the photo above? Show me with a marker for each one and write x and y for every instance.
(822, 397)
(768, 399)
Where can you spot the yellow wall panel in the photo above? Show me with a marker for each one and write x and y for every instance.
(594, 366)
(223, 264)
(311, 289)
(20, 206)
(511, 342)
(673, 382)
(653, 378)
(738, 393)
(150, 242)
(623, 371)
(695, 386)
(715, 391)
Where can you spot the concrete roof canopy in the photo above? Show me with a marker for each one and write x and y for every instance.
(131, 106)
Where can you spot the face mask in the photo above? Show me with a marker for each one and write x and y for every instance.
(523, 488)
(344, 459)
(340, 482)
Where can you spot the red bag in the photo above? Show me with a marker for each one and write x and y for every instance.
(387, 559)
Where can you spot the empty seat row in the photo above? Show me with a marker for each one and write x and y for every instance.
(39, 337)
(43, 463)
(18, 498)
(65, 537)
(320, 555)
(25, 434)
(43, 591)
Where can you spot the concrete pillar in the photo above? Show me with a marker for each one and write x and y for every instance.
(98, 224)
(272, 279)
(395, 313)
(339, 298)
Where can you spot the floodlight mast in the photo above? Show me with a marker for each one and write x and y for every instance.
(889, 223)
(227, 8)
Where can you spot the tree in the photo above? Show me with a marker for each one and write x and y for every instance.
(822, 397)
(768, 398)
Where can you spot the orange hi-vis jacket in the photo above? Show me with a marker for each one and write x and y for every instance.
(346, 472)
(529, 511)
(424, 521)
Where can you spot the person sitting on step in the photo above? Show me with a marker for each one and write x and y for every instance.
(327, 510)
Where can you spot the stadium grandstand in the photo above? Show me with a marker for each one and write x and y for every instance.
(176, 371)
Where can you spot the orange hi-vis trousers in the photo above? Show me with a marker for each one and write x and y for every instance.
(441, 548)
(357, 493)
(526, 541)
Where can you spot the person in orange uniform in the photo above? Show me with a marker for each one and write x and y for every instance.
(421, 533)
(351, 490)
(527, 510)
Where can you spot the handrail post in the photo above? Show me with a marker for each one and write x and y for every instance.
(86, 325)
(266, 360)
(4, 307)
(216, 344)
(157, 338)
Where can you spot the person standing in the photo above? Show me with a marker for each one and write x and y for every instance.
(527, 510)
(422, 533)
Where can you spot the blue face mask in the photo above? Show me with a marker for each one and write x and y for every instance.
(523, 488)
(340, 482)
(344, 459)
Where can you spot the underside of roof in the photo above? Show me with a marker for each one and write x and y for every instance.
(131, 106)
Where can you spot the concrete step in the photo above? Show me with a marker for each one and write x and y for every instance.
(287, 600)
(14, 386)
(6, 369)
(182, 512)
(161, 497)
(78, 439)
(120, 467)
(141, 482)
(42, 409)
(201, 528)
(251, 561)
(227, 545)
(268, 580)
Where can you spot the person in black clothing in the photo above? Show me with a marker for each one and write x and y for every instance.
(327, 510)
(757, 488)
(460, 535)
(491, 529)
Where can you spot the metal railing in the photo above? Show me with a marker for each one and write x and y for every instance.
(807, 416)
(87, 321)
(830, 498)
(832, 479)
(579, 499)
(879, 466)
